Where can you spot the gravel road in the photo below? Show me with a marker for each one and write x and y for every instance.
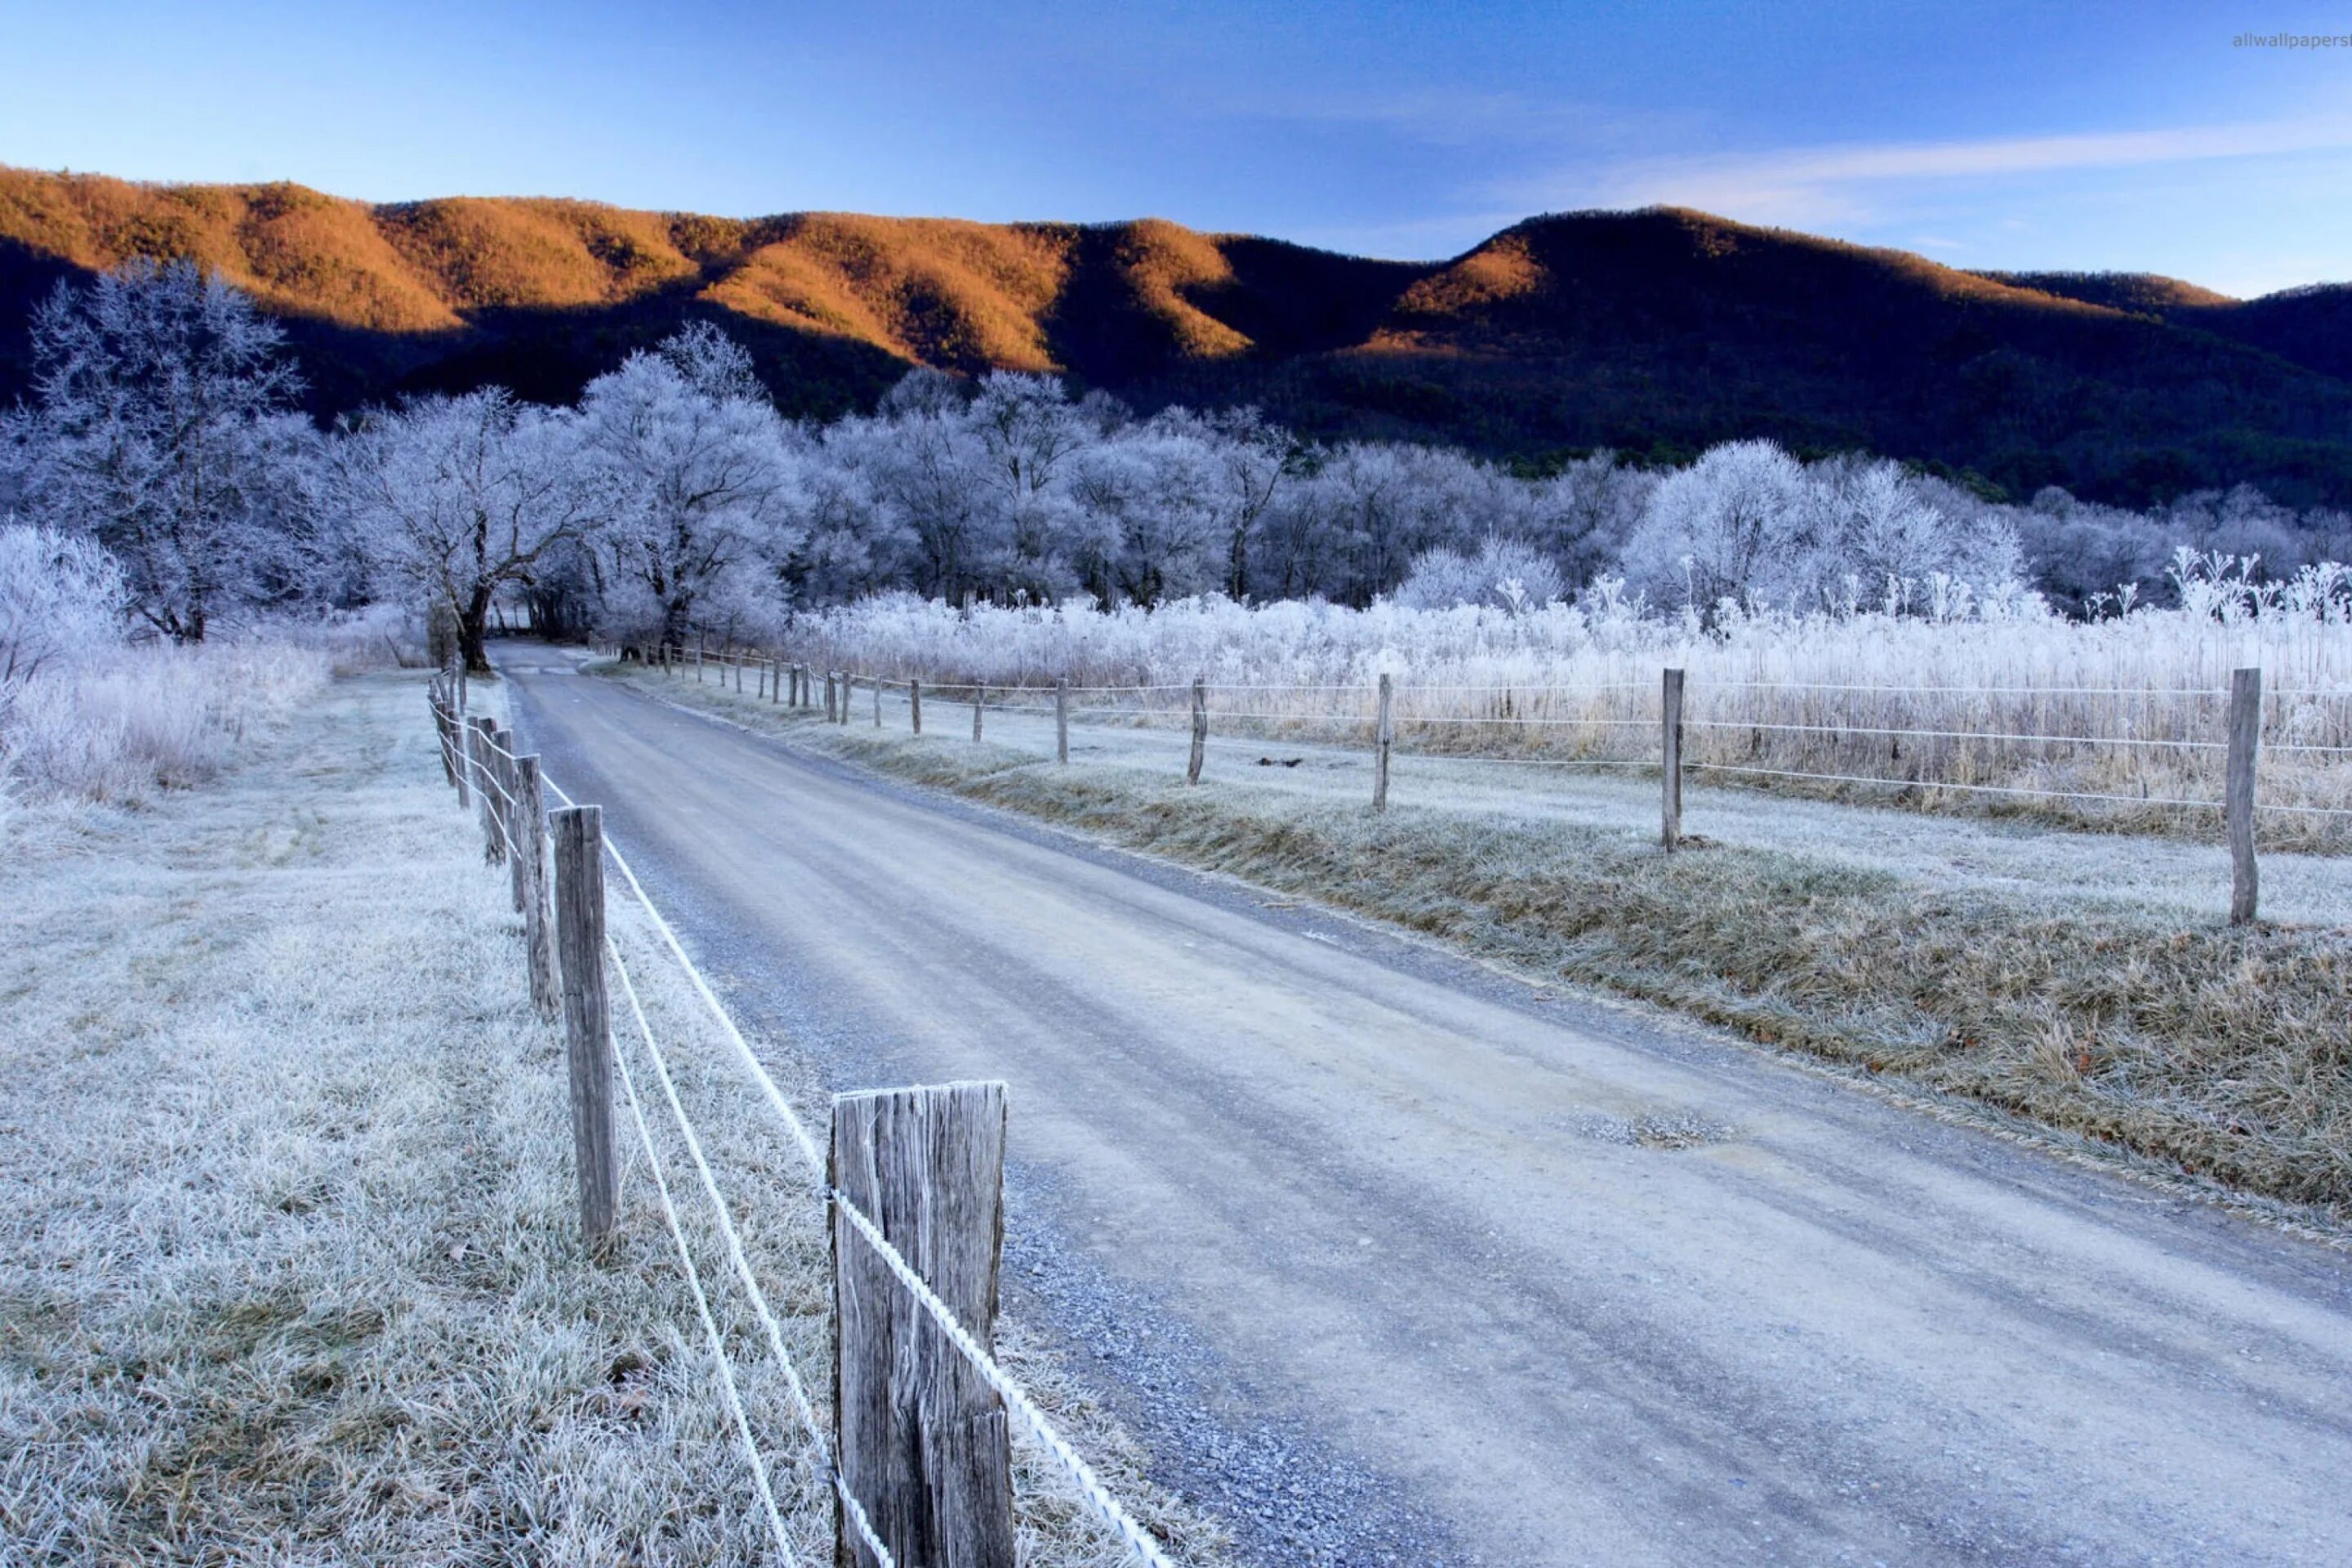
(1393, 1261)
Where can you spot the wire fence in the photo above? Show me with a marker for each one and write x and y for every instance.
(2112, 757)
(476, 755)
(2185, 761)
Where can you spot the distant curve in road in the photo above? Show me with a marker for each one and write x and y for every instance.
(1395, 1261)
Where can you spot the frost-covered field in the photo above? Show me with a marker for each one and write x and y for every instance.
(288, 1257)
(1952, 711)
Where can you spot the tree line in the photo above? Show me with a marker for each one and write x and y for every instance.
(674, 502)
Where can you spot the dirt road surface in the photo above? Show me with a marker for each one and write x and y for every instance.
(1394, 1260)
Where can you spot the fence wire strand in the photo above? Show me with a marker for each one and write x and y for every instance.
(709, 1325)
(802, 1407)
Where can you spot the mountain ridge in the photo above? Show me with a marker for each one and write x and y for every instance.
(1658, 331)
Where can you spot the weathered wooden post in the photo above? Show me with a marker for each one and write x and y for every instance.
(1200, 731)
(915, 705)
(1062, 720)
(444, 731)
(849, 687)
(877, 702)
(828, 696)
(978, 697)
(1670, 771)
(493, 799)
(538, 933)
(801, 698)
(461, 753)
(1383, 738)
(922, 1437)
(477, 752)
(587, 1019)
(2246, 737)
(510, 772)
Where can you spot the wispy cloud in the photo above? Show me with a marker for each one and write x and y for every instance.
(1845, 182)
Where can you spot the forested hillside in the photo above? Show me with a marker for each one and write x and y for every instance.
(1656, 333)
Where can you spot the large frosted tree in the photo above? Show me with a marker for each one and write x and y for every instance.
(163, 427)
(702, 480)
(454, 500)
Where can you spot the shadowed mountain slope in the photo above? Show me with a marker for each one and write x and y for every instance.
(1658, 331)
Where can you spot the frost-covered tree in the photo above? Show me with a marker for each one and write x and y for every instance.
(1155, 506)
(700, 480)
(1583, 515)
(455, 499)
(1252, 461)
(162, 427)
(1502, 574)
(1881, 536)
(852, 542)
(1733, 528)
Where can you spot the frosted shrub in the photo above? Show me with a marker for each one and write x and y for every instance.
(60, 597)
(1504, 574)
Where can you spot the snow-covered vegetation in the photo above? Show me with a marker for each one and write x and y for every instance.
(1969, 697)
(1005, 529)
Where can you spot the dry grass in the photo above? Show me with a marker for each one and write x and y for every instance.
(288, 1261)
(121, 727)
(2226, 1054)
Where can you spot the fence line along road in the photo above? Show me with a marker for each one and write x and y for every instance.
(927, 1479)
(1392, 717)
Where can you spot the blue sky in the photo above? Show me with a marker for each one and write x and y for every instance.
(1990, 134)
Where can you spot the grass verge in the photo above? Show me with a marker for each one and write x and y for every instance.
(288, 1269)
(2224, 1053)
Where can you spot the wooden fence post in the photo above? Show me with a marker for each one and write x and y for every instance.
(477, 750)
(538, 934)
(1383, 737)
(494, 841)
(915, 705)
(922, 1437)
(849, 690)
(510, 771)
(461, 753)
(2246, 737)
(1670, 771)
(877, 702)
(1062, 720)
(978, 697)
(828, 696)
(445, 730)
(587, 1018)
(1200, 731)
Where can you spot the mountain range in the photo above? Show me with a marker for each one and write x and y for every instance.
(1656, 332)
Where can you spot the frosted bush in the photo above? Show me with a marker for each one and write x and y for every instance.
(60, 597)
